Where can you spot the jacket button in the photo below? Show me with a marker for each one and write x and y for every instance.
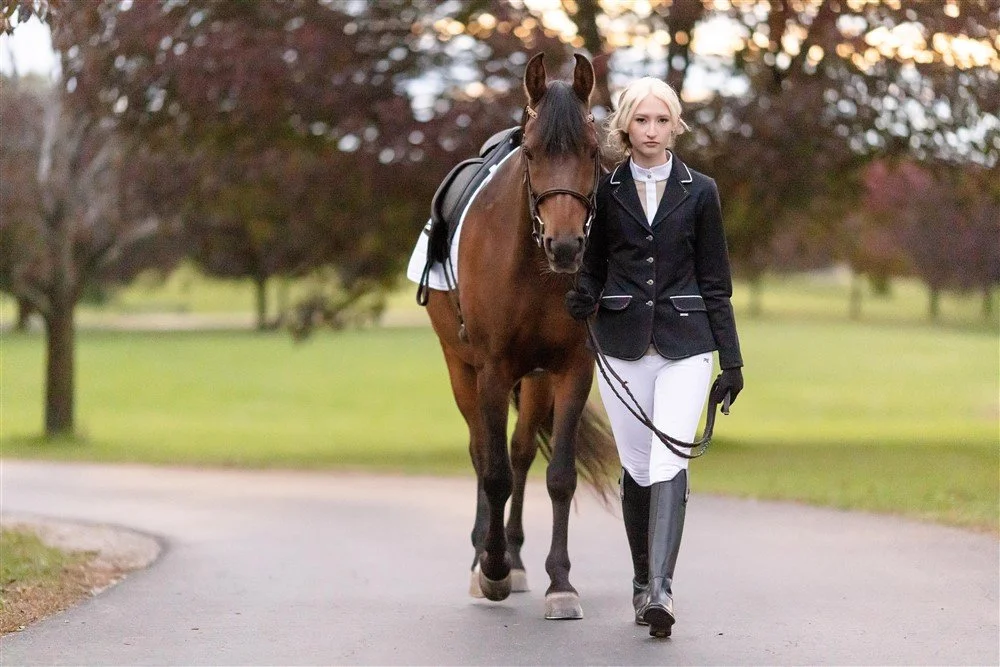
(649, 303)
(649, 259)
(649, 238)
(649, 282)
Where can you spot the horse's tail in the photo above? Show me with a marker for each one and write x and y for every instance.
(596, 455)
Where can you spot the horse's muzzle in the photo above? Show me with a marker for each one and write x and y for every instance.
(565, 255)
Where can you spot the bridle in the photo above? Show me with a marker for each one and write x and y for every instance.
(534, 200)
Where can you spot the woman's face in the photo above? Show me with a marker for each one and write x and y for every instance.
(650, 130)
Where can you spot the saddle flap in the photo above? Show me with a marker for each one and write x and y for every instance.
(459, 179)
(446, 199)
(457, 188)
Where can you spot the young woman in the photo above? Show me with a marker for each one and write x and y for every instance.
(656, 276)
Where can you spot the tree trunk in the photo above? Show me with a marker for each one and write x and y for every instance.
(60, 367)
(282, 302)
(260, 282)
(934, 303)
(683, 17)
(24, 311)
(857, 281)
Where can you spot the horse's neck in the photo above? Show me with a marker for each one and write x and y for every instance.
(512, 196)
(507, 289)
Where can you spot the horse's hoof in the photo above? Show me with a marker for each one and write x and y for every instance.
(475, 590)
(563, 606)
(519, 581)
(494, 590)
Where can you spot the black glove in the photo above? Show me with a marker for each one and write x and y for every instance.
(580, 304)
(729, 382)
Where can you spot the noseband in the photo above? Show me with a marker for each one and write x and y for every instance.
(589, 201)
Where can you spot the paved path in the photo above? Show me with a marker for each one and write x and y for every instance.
(316, 568)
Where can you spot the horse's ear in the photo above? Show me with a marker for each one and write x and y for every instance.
(583, 78)
(534, 78)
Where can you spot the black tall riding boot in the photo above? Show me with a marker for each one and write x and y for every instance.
(635, 512)
(667, 504)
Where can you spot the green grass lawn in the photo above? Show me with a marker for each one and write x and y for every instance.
(373, 398)
(821, 296)
(893, 418)
(826, 297)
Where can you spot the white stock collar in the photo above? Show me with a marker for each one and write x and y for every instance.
(660, 172)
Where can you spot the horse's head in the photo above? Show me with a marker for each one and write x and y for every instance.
(561, 162)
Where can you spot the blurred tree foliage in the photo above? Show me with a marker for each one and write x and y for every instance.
(807, 92)
(831, 86)
(945, 224)
(790, 99)
(298, 120)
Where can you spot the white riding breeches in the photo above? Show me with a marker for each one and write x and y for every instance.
(673, 393)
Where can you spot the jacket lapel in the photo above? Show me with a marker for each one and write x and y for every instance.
(676, 191)
(626, 195)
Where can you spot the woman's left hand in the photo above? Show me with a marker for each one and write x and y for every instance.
(730, 382)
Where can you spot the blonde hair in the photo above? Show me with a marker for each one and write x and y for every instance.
(617, 144)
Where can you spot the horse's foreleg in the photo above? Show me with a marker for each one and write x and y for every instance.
(463, 386)
(493, 388)
(534, 407)
(561, 599)
(478, 534)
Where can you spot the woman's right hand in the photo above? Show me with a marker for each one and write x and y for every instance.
(580, 304)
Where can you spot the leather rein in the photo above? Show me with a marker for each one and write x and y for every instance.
(632, 405)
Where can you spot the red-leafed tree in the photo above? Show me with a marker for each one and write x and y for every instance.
(803, 94)
(78, 208)
(943, 223)
(301, 119)
(978, 199)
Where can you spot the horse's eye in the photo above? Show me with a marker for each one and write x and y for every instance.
(528, 154)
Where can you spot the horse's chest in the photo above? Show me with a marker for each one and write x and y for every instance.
(548, 341)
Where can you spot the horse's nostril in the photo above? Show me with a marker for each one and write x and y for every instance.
(581, 240)
(548, 245)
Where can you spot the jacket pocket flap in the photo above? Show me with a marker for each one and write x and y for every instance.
(615, 302)
(688, 303)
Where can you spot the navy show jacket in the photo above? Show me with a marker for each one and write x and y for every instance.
(667, 284)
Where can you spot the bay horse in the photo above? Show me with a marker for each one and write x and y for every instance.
(505, 332)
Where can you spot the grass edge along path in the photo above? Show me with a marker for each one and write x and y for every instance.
(37, 580)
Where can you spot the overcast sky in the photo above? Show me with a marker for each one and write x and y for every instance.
(29, 48)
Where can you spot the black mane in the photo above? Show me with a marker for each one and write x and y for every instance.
(561, 121)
